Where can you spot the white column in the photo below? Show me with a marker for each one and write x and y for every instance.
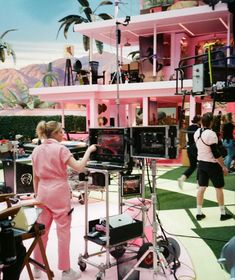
(93, 113)
(88, 122)
(173, 47)
(145, 111)
(62, 116)
(154, 50)
(132, 115)
(192, 107)
(90, 57)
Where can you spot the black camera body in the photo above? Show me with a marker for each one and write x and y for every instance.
(7, 243)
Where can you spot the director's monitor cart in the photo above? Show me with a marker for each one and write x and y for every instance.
(152, 143)
(115, 238)
(158, 258)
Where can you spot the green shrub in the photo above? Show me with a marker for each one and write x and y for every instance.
(26, 125)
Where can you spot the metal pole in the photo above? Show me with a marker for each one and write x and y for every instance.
(118, 34)
(15, 156)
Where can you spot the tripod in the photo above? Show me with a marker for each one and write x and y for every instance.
(68, 74)
(159, 260)
(117, 75)
(118, 41)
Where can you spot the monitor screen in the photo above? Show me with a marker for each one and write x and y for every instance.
(112, 144)
(154, 141)
(149, 141)
(131, 185)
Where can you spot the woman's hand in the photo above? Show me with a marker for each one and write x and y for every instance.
(92, 148)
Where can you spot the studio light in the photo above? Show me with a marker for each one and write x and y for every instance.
(227, 258)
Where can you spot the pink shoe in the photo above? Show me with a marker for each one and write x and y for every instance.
(37, 273)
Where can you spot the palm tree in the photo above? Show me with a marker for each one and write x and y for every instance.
(22, 99)
(50, 78)
(4, 46)
(90, 16)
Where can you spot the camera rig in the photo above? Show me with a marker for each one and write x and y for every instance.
(213, 76)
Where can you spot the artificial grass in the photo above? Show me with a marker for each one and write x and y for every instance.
(216, 237)
(175, 173)
(168, 200)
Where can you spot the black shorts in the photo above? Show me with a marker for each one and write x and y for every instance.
(210, 171)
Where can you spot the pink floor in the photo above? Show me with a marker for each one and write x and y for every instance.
(97, 210)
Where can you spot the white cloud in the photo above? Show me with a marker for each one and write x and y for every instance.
(30, 53)
(34, 53)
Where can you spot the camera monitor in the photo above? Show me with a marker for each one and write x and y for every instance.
(113, 145)
(154, 141)
(131, 185)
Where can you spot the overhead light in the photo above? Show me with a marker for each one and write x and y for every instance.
(186, 29)
(223, 22)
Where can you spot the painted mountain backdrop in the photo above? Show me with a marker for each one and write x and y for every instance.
(34, 73)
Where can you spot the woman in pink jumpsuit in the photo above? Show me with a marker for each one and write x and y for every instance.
(50, 161)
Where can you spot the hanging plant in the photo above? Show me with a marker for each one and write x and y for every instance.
(5, 48)
(90, 16)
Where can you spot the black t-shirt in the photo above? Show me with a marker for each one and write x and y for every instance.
(190, 132)
(228, 131)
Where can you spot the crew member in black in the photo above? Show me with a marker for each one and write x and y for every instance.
(228, 141)
(191, 150)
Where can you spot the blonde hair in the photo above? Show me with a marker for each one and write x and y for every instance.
(46, 129)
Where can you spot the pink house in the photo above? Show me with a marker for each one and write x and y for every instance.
(164, 38)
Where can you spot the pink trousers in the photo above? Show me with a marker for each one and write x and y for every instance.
(63, 223)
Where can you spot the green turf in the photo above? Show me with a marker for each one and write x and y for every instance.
(174, 174)
(168, 200)
(216, 237)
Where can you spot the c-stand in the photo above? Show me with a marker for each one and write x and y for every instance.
(118, 75)
(118, 41)
(158, 258)
(68, 74)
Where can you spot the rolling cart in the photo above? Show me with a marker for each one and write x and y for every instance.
(77, 186)
(114, 239)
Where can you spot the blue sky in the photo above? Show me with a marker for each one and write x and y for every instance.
(37, 23)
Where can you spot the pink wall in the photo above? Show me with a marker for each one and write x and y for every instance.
(231, 108)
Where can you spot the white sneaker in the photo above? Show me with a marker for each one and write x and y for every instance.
(180, 183)
(37, 273)
(70, 275)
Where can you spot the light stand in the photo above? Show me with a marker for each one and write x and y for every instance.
(159, 259)
(15, 156)
(118, 41)
(68, 73)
